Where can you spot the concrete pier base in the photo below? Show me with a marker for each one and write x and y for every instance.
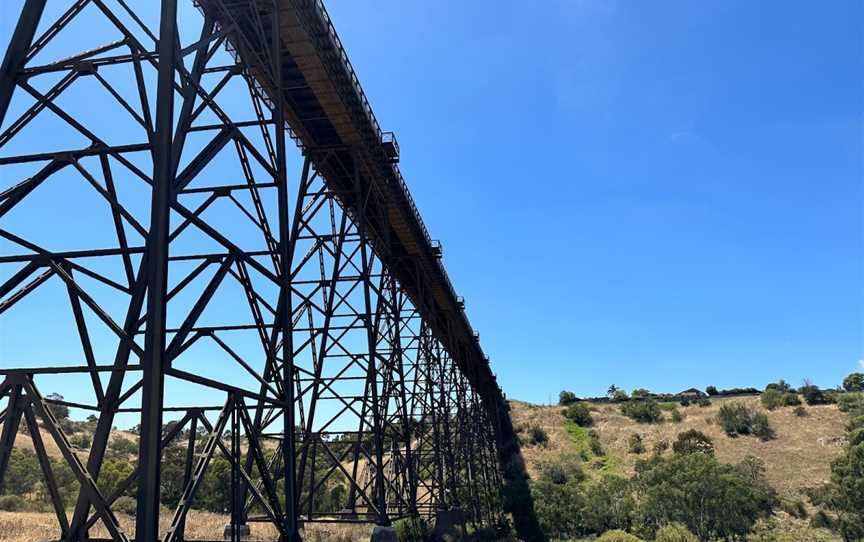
(384, 534)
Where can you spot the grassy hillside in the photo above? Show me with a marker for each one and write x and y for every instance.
(796, 459)
(799, 456)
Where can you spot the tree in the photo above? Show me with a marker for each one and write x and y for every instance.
(844, 494)
(640, 393)
(713, 500)
(609, 504)
(711, 390)
(566, 398)
(613, 389)
(854, 382)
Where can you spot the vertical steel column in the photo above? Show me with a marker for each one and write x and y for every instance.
(155, 362)
(289, 445)
(16, 53)
(372, 374)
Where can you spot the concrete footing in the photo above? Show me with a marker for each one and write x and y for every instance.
(384, 534)
(242, 531)
(448, 524)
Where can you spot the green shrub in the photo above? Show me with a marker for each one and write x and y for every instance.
(640, 393)
(618, 536)
(661, 446)
(676, 416)
(771, 398)
(609, 504)
(850, 402)
(760, 427)
(580, 414)
(674, 532)
(800, 411)
(790, 398)
(703, 402)
(821, 520)
(692, 442)
(12, 503)
(642, 411)
(794, 508)
(538, 436)
(854, 382)
(738, 419)
(125, 505)
(81, 440)
(635, 444)
(563, 470)
(689, 488)
(813, 395)
(594, 444)
(559, 509)
(566, 398)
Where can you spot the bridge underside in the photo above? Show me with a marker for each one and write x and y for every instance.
(169, 261)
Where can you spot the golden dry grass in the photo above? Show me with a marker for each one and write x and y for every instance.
(39, 527)
(794, 460)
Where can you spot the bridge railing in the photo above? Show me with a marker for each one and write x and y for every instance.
(367, 109)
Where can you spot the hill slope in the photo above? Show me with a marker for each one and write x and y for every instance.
(799, 457)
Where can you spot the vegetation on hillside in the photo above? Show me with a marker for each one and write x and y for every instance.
(678, 488)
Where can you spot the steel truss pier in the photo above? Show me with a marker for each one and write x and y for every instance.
(282, 306)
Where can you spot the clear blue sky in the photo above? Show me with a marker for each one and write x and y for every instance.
(661, 195)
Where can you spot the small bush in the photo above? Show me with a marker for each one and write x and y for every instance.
(849, 402)
(772, 398)
(618, 536)
(661, 446)
(12, 503)
(800, 411)
(81, 440)
(794, 508)
(538, 436)
(642, 411)
(635, 444)
(566, 398)
(703, 402)
(563, 470)
(693, 441)
(675, 532)
(677, 417)
(760, 427)
(813, 395)
(821, 520)
(125, 505)
(580, 414)
(594, 444)
(790, 398)
(738, 419)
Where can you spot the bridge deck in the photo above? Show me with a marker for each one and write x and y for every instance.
(331, 119)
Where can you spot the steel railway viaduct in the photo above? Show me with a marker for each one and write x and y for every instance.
(282, 311)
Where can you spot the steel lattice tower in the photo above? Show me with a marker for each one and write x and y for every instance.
(285, 310)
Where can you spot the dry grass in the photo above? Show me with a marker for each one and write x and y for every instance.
(794, 460)
(39, 527)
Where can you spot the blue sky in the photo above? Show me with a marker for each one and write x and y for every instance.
(659, 195)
